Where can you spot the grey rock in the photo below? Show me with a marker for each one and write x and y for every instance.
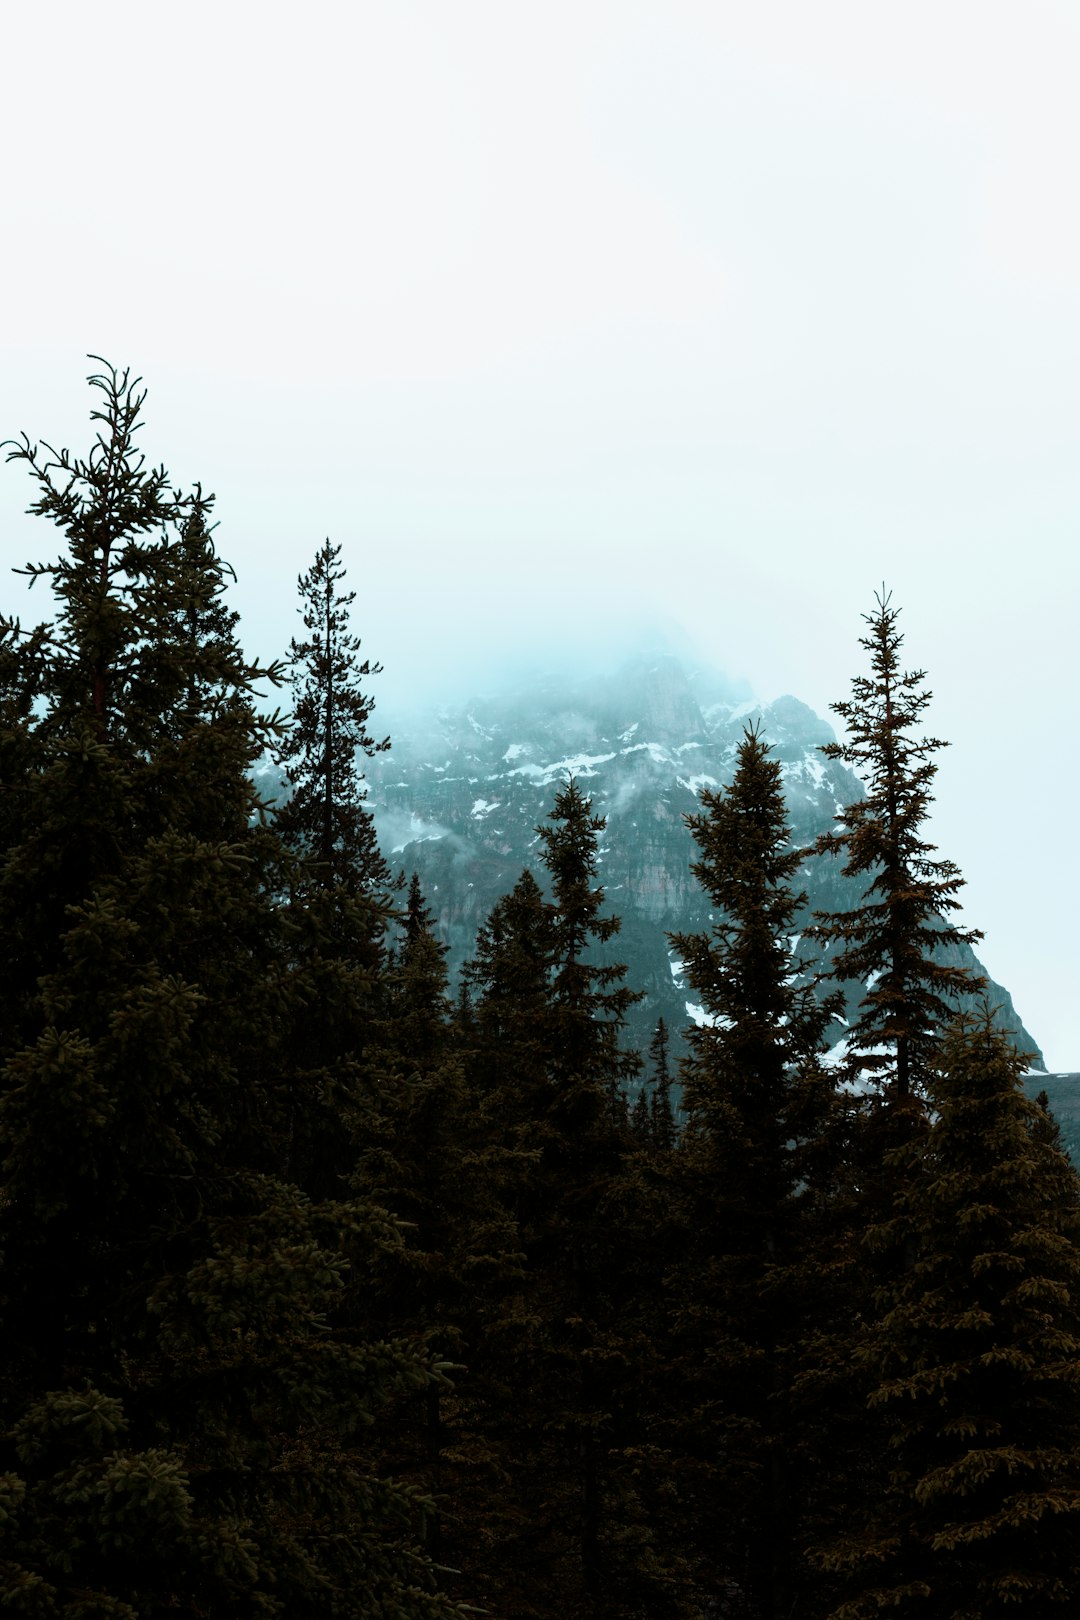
(460, 795)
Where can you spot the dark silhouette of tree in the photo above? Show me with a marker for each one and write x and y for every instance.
(661, 1115)
(896, 941)
(590, 1001)
(547, 1010)
(973, 1359)
(325, 815)
(757, 1101)
(184, 1409)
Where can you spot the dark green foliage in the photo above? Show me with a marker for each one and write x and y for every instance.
(323, 1297)
(431, 1151)
(419, 918)
(896, 942)
(756, 1100)
(975, 1361)
(640, 1120)
(590, 1000)
(661, 1116)
(578, 1533)
(184, 1399)
(509, 980)
(652, 1120)
(340, 886)
(325, 815)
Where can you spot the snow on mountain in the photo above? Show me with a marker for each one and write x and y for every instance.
(643, 742)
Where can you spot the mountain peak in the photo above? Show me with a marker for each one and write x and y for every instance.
(460, 796)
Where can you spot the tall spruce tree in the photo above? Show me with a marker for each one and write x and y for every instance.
(182, 1408)
(974, 1361)
(547, 1013)
(651, 1118)
(897, 954)
(756, 1100)
(509, 983)
(326, 815)
(431, 1152)
(661, 1115)
(341, 891)
(896, 942)
(590, 999)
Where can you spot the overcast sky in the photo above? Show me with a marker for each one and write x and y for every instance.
(558, 315)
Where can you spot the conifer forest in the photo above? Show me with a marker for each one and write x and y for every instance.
(335, 1289)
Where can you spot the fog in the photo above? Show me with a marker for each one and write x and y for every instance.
(572, 321)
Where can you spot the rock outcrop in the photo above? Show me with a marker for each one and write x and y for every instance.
(459, 797)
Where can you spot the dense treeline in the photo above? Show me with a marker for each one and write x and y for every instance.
(330, 1289)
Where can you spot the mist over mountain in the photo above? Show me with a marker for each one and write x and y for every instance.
(459, 797)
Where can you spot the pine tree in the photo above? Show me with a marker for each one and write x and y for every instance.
(651, 1118)
(341, 892)
(756, 1101)
(183, 1406)
(419, 917)
(661, 1117)
(896, 942)
(897, 953)
(641, 1119)
(975, 1361)
(431, 1153)
(547, 1013)
(326, 815)
(590, 1000)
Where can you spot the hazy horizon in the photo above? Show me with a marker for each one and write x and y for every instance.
(555, 318)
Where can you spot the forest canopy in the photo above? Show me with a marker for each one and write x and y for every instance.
(332, 1287)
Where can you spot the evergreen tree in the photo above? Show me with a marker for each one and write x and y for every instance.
(340, 894)
(183, 1408)
(432, 1154)
(590, 1000)
(575, 1533)
(326, 815)
(897, 952)
(975, 1361)
(419, 917)
(651, 1118)
(661, 1116)
(896, 942)
(641, 1119)
(756, 1101)
(509, 979)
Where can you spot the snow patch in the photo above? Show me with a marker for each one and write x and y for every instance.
(808, 769)
(656, 753)
(575, 765)
(484, 807)
(700, 1017)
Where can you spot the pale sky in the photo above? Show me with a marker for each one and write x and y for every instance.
(555, 315)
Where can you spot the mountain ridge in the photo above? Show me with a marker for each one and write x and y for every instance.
(461, 793)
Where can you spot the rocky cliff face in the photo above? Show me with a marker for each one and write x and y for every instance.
(460, 795)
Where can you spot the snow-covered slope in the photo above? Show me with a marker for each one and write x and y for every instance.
(460, 794)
